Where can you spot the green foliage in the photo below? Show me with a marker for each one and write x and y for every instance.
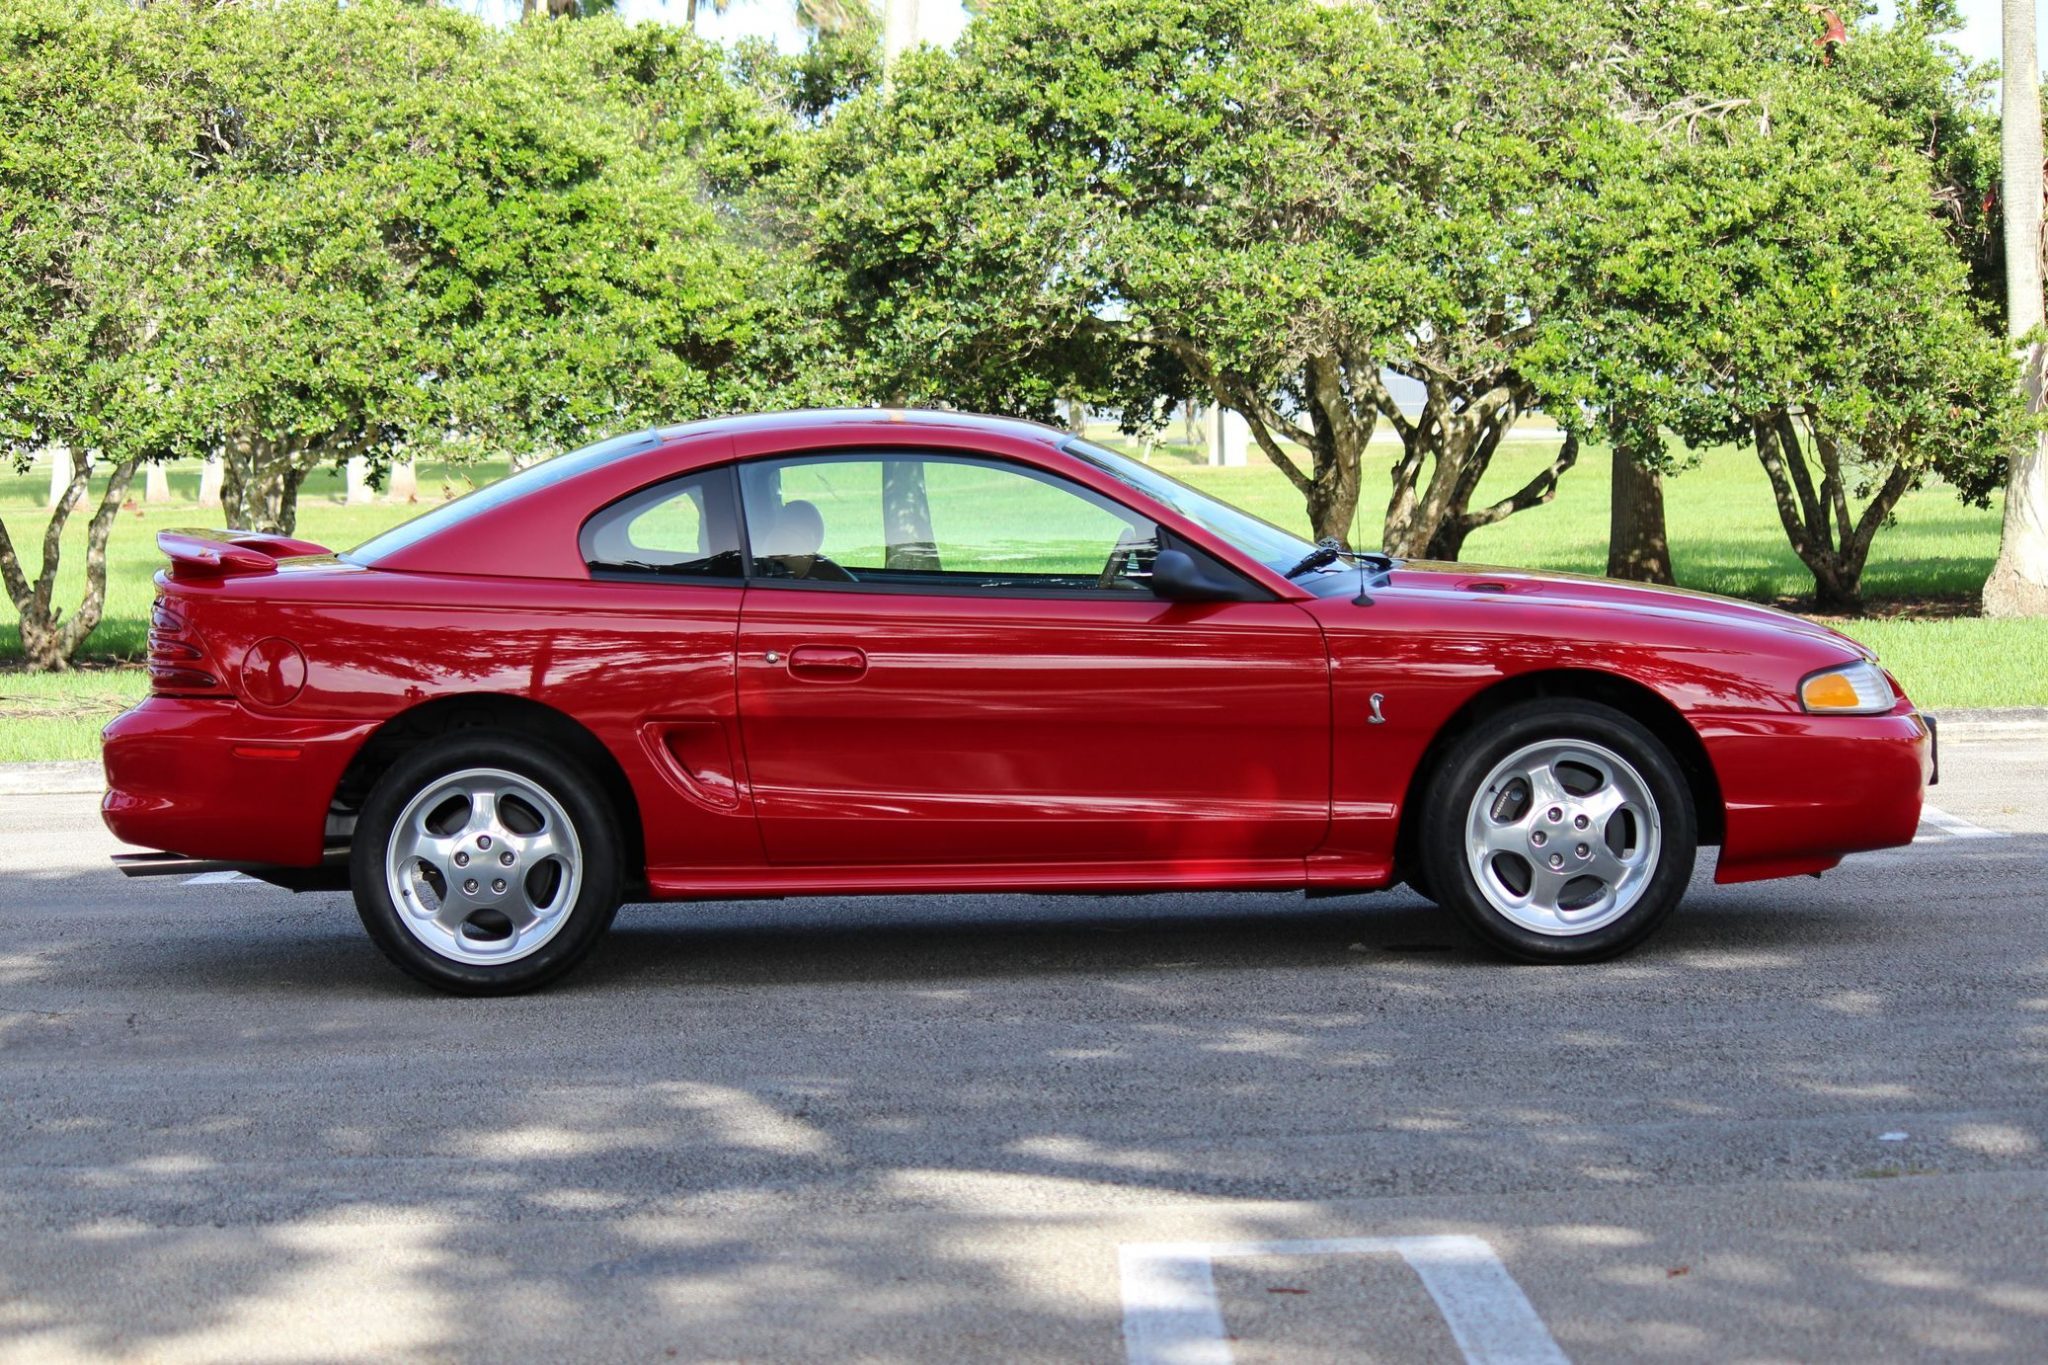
(307, 231)
(1763, 259)
(1273, 202)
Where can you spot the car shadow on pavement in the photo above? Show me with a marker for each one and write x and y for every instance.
(918, 1128)
(313, 942)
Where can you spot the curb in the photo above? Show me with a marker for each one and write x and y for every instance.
(1993, 725)
(87, 778)
(52, 779)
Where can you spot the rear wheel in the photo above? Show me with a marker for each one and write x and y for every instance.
(485, 863)
(1560, 831)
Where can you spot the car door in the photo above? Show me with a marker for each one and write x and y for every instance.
(950, 659)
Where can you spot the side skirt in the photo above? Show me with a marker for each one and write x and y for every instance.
(1292, 874)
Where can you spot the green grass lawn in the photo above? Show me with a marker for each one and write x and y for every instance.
(1923, 578)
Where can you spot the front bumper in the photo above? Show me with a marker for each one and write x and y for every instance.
(1801, 791)
(206, 778)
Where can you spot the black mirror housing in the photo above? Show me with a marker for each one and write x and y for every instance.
(1178, 576)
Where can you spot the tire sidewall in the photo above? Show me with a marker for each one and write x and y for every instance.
(596, 826)
(1466, 764)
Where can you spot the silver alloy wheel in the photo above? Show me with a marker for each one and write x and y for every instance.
(483, 866)
(1563, 836)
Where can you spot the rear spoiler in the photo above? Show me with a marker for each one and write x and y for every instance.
(229, 554)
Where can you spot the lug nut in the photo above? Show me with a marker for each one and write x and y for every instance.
(1578, 822)
(1556, 814)
(506, 857)
(1539, 838)
(1557, 860)
(483, 841)
(470, 886)
(462, 860)
(1583, 850)
(498, 886)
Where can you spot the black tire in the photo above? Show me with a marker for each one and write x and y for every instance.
(578, 920)
(1473, 757)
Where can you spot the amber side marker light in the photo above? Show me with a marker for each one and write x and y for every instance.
(1857, 689)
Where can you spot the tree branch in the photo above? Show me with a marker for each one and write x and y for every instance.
(1539, 490)
(1802, 479)
(1383, 399)
(1768, 451)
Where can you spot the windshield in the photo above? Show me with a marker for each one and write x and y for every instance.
(1278, 550)
(527, 480)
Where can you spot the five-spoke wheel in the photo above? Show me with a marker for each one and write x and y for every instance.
(1560, 830)
(486, 862)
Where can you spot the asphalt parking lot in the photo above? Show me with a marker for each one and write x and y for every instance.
(1807, 1122)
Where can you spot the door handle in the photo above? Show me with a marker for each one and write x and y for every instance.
(827, 663)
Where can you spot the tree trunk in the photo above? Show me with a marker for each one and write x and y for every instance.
(1333, 502)
(907, 517)
(2018, 585)
(259, 488)
(1455, 437)
(899, 35)
(1442, 519)
(1637, 547)
(49, 639)
(1447, 542)
(1833, 546)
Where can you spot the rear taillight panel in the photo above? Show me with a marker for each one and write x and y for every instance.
(178, 664)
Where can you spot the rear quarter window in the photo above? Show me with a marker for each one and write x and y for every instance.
(529, 480)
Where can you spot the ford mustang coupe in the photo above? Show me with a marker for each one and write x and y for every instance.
(910, 652)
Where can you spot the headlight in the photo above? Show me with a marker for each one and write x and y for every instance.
(1857, 689)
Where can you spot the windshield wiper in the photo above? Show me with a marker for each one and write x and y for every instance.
(1328, 551)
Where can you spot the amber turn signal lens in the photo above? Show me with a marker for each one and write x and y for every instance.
(1859, 688)
(1830, 692)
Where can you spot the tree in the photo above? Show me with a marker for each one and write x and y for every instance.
(89, 117)
(1267, 204)
(2018, 585)
(1775, 276)
(303, 232)
(416, 230)
(583, 275)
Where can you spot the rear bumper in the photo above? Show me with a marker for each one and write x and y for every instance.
(1803, 791)
(206, 778)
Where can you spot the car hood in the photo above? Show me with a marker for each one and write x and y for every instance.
(1608, 595)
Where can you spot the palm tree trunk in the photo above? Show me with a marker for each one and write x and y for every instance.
(2019, 581)
(899, 33)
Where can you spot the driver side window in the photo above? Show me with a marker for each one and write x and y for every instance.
(939, 522)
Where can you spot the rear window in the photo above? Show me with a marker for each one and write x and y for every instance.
(529, 480)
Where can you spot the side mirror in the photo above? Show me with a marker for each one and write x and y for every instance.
(1178, 576)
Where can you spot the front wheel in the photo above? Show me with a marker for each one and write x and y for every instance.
(1560, 831)
(485, 863)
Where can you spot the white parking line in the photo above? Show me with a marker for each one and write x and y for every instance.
(1951, 827)
(218, 879)
(1172, 1317)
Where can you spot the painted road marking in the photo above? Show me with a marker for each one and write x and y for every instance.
(219, 879)
(1948, 827)
(1172, 1317)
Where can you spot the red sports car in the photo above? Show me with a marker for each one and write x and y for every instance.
(893, 652)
